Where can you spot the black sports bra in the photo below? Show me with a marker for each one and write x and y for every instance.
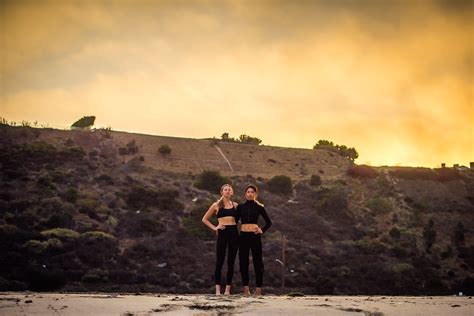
(223, 212)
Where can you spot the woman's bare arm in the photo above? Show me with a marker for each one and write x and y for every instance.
(205, 219)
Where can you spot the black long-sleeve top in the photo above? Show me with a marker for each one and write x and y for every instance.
(249, 212)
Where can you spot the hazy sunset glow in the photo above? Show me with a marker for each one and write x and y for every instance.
(394, 79)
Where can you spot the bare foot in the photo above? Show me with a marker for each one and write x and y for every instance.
(218, 289)
(246, 290)
(227, 290)
(258, 291)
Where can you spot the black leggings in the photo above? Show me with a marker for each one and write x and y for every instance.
(251, 241)
(228, 237)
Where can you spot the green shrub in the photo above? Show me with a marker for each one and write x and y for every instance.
(70, 195)
(150, 226)
(429, 235)
(399, 251)
(211, 181)
(315, 180)
(97, 235)
(54, 243)
(103, 246)
(7, 229)
(382, 186)
(141, 197)
(141, 224)
(164, 150)
(280, 184)
(379, 205)
(60, 176)
(38, 147)
(448, 174)
(403, 268)
(111, 221)
(106, 179)
(459, 238)
(75, 152)
(87, 204)
(61, 233)
(334, 202)
(409, 173)
(370, 246)
(95, 276)
(45, 182)
(102, 209)
(362, 171)
(192, 222)
(132, 147)
(69, 142)
(36, 246)
(325, 285)
(395, 233)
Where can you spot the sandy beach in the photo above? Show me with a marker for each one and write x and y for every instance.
(16, 303)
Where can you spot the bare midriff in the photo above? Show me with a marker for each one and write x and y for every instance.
(248, 227)
(227, 220)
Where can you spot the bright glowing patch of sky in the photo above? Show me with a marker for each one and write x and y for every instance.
(394, 79)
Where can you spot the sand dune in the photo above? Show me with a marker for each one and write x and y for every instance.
(14, 303)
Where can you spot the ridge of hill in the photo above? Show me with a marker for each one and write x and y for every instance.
(192, 156)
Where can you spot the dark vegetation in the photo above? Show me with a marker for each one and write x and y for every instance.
(84, 122)
(245, 139)
(73, 219)
(347, 152)
(164, 150)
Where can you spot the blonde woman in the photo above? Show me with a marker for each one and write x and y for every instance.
(227, 235)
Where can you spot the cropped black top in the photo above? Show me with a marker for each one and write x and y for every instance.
(249, 212)
(226, 212)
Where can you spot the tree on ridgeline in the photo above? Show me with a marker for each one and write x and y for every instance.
(244, 139)
(84, 123)
(347, 152)
(225, 137)
(249, 140)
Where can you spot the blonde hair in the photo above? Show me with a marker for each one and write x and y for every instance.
(220, 202)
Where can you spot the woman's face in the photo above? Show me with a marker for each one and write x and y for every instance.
(227, 191)
(250, 194)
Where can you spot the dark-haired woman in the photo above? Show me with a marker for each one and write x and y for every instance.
(227, 235)
(250, 238)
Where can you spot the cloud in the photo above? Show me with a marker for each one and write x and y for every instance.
(393, 79)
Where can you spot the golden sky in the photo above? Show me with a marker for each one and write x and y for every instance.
(394, 79)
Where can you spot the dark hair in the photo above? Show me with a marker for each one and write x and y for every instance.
(254, 187)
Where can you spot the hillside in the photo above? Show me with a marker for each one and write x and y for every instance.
(191, 156)
(104, 210)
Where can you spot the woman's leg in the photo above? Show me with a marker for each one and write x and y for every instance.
(257, 262)
(244, 248)
(220, 256)
(233, 247)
